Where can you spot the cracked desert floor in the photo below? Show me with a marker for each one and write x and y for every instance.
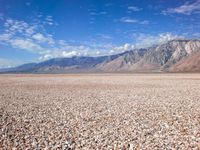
(100, 111)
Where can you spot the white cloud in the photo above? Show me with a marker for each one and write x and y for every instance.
(98, 13)
(111, 51)
(164, 37)
(15, 26)
(86, 50)
(61, 54)
(128, 46)
(128, 20)
(4, 37)
(62, 42)
(145, 40)
(125, 47)
(141, 41)
(22, 35)
(104, 36)
(26, 44)
(134, 8)
(32, 38)
(42, 39)
(187, 8)
(197, 34)
(69, 54)
(131, 20)
(98, 52)
(49, 20)
(30, 30)
(45, 57)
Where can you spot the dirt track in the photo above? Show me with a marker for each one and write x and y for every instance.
(140, 111)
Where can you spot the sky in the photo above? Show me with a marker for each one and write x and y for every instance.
(37, 30)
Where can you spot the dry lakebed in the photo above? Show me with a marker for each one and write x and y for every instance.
(100, 111)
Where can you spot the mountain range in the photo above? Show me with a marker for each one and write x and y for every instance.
(179, 55)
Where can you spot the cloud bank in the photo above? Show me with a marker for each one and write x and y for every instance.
(186, 9)
(32, 37)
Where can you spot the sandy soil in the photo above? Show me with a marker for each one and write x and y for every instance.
(140, 111)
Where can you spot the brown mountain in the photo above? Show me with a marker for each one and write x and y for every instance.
(123, 63)
(155, 58)
(175, 55)
(187, 64)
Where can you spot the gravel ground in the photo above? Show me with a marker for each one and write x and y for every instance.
(139, 111)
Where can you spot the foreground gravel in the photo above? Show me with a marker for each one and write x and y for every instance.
(140, 111)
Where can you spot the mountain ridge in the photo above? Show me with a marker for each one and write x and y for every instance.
(165, 57)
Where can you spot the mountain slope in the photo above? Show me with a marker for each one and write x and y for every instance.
(188, 64)
(155, 58)
(124, 62)
(63, 65)
(170, 56)
(165, 55)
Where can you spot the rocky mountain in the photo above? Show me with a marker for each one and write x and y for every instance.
(174, 55)
(124, 62)
(190, 63)
(156, 58)
(163, 56)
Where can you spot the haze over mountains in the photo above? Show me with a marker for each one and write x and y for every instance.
(174, 56)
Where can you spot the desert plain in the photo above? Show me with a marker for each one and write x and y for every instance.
(100, 111)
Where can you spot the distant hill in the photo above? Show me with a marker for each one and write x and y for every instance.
(175, 55)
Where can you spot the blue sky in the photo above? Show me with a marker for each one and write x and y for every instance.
(36, 30)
